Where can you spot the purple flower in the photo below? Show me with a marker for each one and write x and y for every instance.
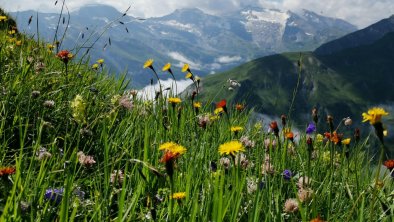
(311, 128)
(287, 174)
(54, 195)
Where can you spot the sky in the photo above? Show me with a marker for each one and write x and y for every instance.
(358, 12)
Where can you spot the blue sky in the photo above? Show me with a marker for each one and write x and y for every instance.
(358, 12)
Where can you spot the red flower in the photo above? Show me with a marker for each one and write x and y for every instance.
(221, 104)
(389, 164)
(274, 127)
(5, 171)
(65, 56)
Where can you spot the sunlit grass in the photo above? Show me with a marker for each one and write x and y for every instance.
(77, 145)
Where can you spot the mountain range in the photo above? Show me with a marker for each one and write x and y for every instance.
(208, 43)
(342, 78)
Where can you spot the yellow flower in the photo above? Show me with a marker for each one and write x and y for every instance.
(189, 75)
(179, 195)
(286, 131)
(197, 105)
(167, 145)
(174, 100)
(100, 61)
(198, 78)
(231, 148)
(115, 99)
(236, 128)
(173, 148)
(319, 138)
(385, 132)
(346, 141)
(11, 32)
(327, 157)
(214, 117)
(11, 40)
(166, 67)
(3, 18)
(218, 110)
(185, 68)
(374, 115)
(95, 66)
(148, 63)
(78, 107)
(50, 47)
(18, 43)
(258, 126)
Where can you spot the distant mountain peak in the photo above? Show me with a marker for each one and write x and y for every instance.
(99, 10)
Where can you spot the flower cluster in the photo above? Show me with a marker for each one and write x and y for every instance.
(78, 107)
(85, 160)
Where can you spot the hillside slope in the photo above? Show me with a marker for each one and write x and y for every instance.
(341, 83)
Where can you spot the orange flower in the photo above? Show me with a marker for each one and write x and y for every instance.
(239, 107)
(389, 164)
(169, 156)
(317, 219)
(290, 136)
(336, 138)
(5, 171)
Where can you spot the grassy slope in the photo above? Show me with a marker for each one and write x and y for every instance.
(119, 139)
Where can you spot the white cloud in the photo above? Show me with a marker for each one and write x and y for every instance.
(183, 59)
(228, 59)
(358, 12)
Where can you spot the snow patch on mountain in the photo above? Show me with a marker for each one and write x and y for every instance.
(266, 26)
(106, 20)
(266, 15)
(181, 26)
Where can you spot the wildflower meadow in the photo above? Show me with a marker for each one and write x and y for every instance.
(78, 145)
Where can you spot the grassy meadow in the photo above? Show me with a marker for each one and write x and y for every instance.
(78, 145)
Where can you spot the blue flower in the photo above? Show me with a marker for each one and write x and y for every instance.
(54, 195)
(311, 128)
(287, 174)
